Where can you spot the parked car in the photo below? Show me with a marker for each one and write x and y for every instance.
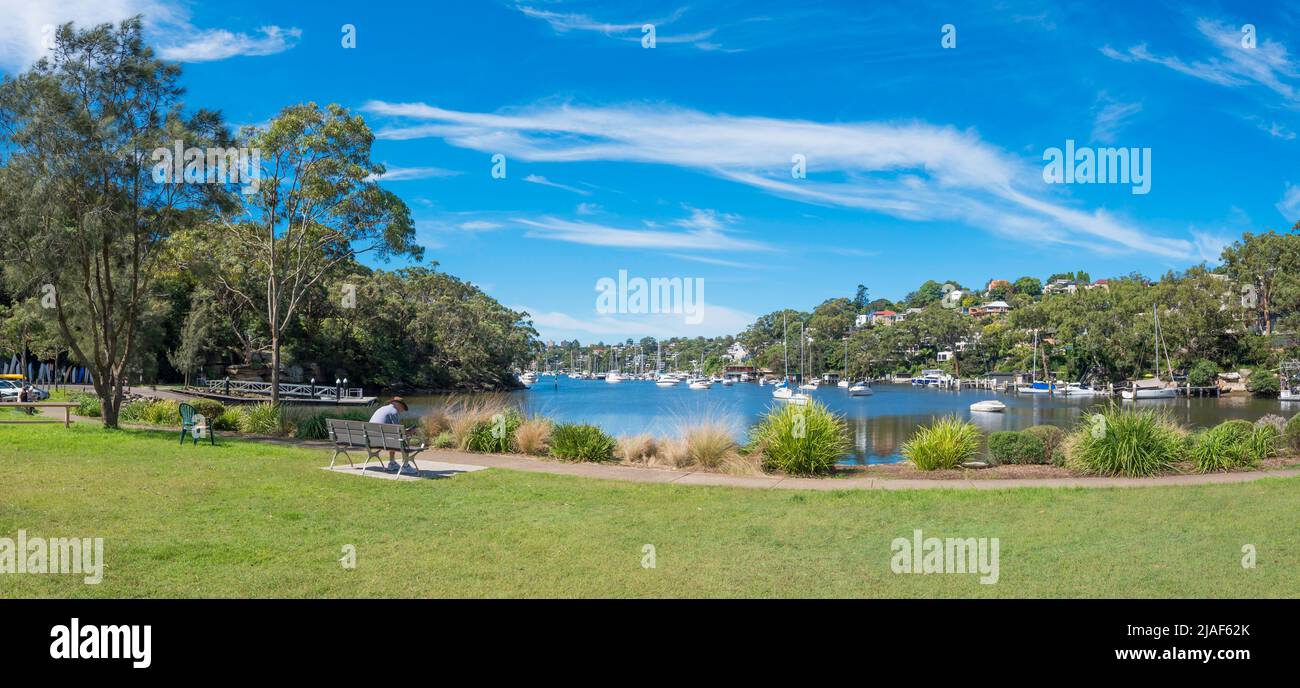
(9, 391)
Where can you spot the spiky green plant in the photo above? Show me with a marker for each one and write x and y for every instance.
(581, 443)
(946, 443)
(800, 440)
(1126, 441)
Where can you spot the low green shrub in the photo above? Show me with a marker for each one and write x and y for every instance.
(263, 418)
(444, 440)
(1265, 442)
(1203, 373)
(800, 440)
(151, 412)
(1126, 441)
(946, 443)
(1263, 383)
(495, 435)
(209, 408)
(1053, 439)
(310, 424)
(1234, 444)
(87, 405)
(228, 421)
(576, 442)
(1009, 446)
(1292, 433)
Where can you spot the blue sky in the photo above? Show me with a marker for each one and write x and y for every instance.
(675, 161)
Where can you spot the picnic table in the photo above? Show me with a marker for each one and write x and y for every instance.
(67, 407)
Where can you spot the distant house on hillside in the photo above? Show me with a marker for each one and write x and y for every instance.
(990, 308)
(995, 283)
(737, 353)
(861, 320)
(1061, 286)
(883, 318)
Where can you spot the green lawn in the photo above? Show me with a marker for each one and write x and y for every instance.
(245, 519)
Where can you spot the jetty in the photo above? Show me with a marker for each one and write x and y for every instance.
(290, 393)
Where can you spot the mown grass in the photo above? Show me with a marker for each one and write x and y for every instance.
(256, 520)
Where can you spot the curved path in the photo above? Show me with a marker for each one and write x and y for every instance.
(678, 477)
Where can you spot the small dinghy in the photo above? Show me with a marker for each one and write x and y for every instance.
(988, 406)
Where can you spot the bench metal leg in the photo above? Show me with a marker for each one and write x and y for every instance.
(345, 454)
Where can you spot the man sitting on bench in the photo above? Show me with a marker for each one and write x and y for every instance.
(390, 414)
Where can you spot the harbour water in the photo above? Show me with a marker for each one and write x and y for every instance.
(878, 424)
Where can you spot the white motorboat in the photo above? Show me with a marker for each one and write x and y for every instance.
(699, 384)
(727, 382)
(613, 378)
(666, 382)
(1076, 389)
(860, 390)
(786, 394)
(842, 383)
(988, 406)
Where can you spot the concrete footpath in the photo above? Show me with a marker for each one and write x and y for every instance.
(680, 477)
(449, 462)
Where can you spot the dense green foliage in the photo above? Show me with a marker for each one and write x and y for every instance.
(800, 440)
(1053, 439)
(1232, 445)
(575, 442)
(1126, 441)
(1009, 446)
(496, 434)
(946, 443)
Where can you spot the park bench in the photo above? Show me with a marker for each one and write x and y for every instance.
(67, 407)
(373, 438)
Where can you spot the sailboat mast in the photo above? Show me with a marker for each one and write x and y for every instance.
(785, 347)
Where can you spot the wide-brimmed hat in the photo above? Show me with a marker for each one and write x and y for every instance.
(399, 400)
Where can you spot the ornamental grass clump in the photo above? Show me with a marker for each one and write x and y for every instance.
(1126, 442)
(532, 434)
(574, 442)
(1234, 444)
(800, 440)
(495, 434)
(946, 443)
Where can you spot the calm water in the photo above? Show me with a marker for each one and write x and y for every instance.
(878, 424)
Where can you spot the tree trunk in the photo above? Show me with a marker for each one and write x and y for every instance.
(275, 369)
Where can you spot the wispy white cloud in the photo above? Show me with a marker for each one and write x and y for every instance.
(207, 45)
(1275, 129)
(399, 174)
(539, 179)
(28, 25)
(575, 22)
(587, 208)
(716, 320)
(1230, 63)
(1109, 116)
(592, 234)
(1289, 205)
(479, 226)
(913, 171)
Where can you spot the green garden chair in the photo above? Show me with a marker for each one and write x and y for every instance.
(188, 423)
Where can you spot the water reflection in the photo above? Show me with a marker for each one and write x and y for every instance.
(878, 424)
